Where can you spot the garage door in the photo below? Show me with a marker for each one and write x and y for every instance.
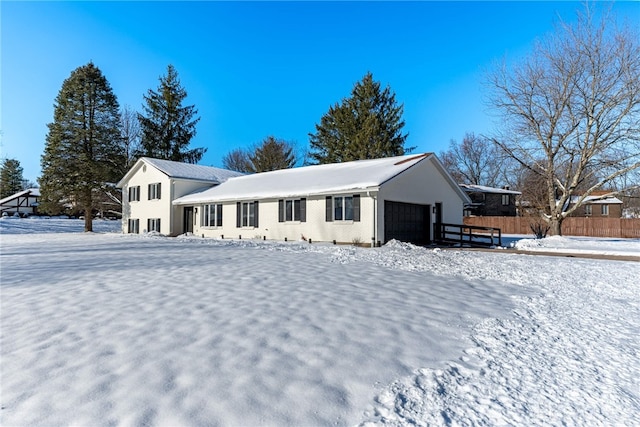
(407, 222)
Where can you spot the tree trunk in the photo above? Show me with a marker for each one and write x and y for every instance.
(556, 226)
(88, 219)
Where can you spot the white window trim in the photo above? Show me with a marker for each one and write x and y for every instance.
(343, 208)
(153, 191)
(210, 216)
(134, 193)
(154, 224)
(291, 214)
(248, 215)
(136, 226)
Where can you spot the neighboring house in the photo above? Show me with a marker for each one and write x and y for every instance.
(364, 202)
(598, 206)
(23, 202)
(490, 201)
(150, 187)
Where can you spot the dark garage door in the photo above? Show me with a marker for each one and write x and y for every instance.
(406, 222)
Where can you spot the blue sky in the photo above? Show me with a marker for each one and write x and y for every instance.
(254, 69)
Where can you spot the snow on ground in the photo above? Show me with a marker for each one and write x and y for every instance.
(39, 225)
(581, 245)
(104, 329)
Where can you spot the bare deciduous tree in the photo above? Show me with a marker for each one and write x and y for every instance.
(476, 160)
(571, 110)
(130, 133)
(237, 160)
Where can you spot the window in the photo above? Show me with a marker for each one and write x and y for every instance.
(604, 209)
(154, 191)
(133, 226)
(343, 208)
(153, 224)
(292, 210)
(505, 200)
(587, 209)
(134, 194)
(247, 214)
(212, 215)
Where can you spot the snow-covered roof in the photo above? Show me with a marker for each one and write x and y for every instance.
(34, 192)
(303, 181)
(484, 189)
(181, 170)
(598, 200)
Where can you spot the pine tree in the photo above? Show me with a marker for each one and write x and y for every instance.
(272, 154)
(83, 150)
(167, 127)
(367, 125)
(11, 180)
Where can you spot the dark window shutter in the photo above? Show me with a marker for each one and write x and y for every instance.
(328, 209)
(356, 207)
(219, 215)
(158, 224)
(280, 210)
(138, 193)
(148, 224)
(159, 185)
(149, 192)
(303, 210)
(238, 214)
(255, 214)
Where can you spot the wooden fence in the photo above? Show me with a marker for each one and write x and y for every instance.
(594, 227)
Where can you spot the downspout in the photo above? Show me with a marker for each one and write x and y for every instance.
(375, 211)
(171, 207)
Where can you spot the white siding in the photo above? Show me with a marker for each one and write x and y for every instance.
(145, 209)
(179, 188)
(315, 228)
(422, 184)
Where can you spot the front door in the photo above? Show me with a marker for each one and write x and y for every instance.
(437, 227)
(187, 226)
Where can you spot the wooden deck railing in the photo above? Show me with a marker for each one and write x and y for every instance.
(469, 235)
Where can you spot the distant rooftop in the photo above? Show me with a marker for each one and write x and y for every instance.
(34, 192)
(484, 189)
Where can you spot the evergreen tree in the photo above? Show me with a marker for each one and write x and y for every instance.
(272, 154)
(167, 127)
(367, 125)
(83, 150)
(11, 180)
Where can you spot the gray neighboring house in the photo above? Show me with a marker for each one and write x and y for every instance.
(490, 201)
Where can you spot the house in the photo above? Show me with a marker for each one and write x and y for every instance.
(363, 202)
(597, 205)
(150, 187)
(23, 203)
(490, 201)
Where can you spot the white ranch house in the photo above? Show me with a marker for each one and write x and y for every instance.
(365, 201)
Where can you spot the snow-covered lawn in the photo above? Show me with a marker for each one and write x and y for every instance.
(112, 329)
